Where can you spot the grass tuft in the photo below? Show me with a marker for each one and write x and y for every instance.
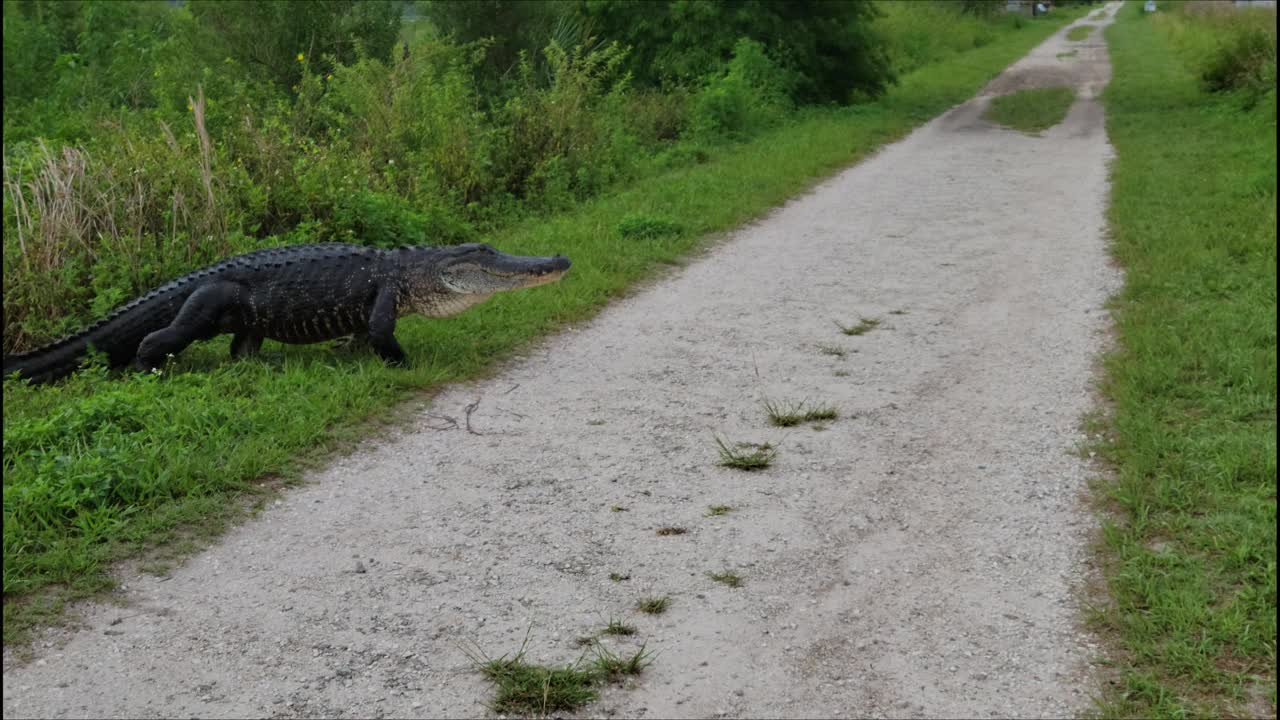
(833, 351)
(789, 413)
(716, 510)
(665, 531)
(746, 456)
(864, 326)
(654, 605)
(617, 627)
(727, 577)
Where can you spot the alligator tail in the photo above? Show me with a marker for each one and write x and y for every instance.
(117, 335)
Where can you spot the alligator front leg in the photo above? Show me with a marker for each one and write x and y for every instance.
(197, 320)
(382, 327)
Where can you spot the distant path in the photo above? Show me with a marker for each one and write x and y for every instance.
(919, 557)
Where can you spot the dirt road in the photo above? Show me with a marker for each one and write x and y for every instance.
(919, 556)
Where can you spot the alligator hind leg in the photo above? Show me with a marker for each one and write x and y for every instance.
(197, 320)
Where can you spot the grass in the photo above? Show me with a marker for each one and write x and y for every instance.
(618, 628)
(718, 510)
(746, 456)
(522, 688)
(1188, 547)
(727, 577)
(1031, 111)
(1080, 32)
(1065, 55)
(833, 351)
(654, 605)
(791, 413)
(665, 531)
(100, 468)
(864, 326)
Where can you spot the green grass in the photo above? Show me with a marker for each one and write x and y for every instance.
(783, 413)
(1189, 541)
(522, 688)
(746, 456)
(654, 605)
(619, 628)
(98, 468)
(727, 577)
(718, 510)
(864, 326)
(1031, 111)
(1080, 32)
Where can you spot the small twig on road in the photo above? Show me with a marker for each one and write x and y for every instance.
(513, 387)
(470, 409)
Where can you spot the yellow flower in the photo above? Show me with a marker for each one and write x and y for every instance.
(189, 108)
(301, 57)
(329, 76)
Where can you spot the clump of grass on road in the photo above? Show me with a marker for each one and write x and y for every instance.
(1189, 542)
(727, 577)
(654, 605)
(100, 468)
(523, 688)
(1031, 111)
(864, 326)
(1080, 32)
(783, 413)
(746, 456)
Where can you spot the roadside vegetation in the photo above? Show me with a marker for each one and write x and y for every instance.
(143, 140)
(1189, 547)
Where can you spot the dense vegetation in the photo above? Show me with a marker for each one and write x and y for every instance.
(1190, 550)
(143, 139)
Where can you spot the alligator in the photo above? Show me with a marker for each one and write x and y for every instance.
(295, 294)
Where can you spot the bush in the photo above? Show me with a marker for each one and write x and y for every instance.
(750, 95)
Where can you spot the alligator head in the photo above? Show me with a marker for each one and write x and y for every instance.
(458, 277)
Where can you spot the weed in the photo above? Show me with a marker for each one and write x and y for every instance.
(1065, 55)
(864, 326)
(618, 577)
(841, 373)
(654, 605)
(746, 456)
(788, 414)
(664, 531)
(834, 351)
(727, 577)
(899, 311)
(715, 510)
(617, 509)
